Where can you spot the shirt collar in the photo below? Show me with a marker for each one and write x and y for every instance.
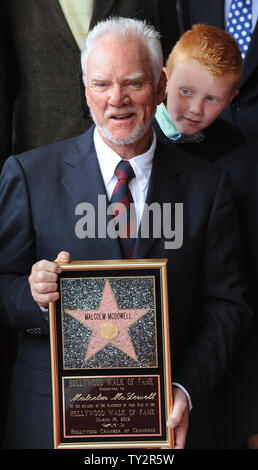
(108, 159)
(165, 122)
(169, 129)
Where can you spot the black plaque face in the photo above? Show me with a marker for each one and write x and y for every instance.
(110, 355)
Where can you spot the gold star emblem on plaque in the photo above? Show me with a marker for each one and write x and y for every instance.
(109, 324)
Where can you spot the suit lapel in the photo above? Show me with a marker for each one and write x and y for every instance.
(251, 59)
(198, 11)
(58, 18)
(84, 183)
(101, 10)
(165, 186)
(216, 11)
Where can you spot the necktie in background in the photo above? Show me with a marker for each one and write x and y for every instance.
(127, 216)
(239, 24)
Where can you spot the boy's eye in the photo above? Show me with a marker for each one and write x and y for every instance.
(212, 99)
(186, 92)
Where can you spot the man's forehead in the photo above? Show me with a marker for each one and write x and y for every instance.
(99, 76)
(110, 55)
(110, 42)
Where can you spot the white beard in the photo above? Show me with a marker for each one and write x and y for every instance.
(131, 139)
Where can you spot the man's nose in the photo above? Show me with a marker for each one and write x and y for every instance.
(118, 96)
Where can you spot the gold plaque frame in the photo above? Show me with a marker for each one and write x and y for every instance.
(110, 355)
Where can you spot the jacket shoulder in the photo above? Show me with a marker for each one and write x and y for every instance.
(49, 157)
(226, 131)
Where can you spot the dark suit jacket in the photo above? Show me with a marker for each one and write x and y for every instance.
(39, 191)
(242, 165)
(48, 95)
(220, 137)
(5, 109)
(244, 108)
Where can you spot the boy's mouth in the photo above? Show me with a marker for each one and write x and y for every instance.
(191, 122)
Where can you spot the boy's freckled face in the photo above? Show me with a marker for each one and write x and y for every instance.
(195, 98)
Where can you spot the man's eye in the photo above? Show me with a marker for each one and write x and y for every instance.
(134, 83)
(100, 84)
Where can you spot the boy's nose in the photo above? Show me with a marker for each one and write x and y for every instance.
(196, 106)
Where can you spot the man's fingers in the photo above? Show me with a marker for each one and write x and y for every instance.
(40, 277)
(45, 266)
(176, 416)
(180, 432)
(46, 287)
(178, 419)
(43, 279)
(63, 257)
(179, 422)
(44, 299)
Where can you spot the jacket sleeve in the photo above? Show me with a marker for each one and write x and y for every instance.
(17, 252)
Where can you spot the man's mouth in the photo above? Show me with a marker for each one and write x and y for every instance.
(121, 117)
(120, 114)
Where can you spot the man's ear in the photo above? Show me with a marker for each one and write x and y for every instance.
(162, 85)
(85, 87)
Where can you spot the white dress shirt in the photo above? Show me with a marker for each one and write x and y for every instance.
(78, 15)
(141, 164)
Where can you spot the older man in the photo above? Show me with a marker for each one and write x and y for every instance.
(124, 82)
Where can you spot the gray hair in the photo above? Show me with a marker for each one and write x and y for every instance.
(126, 27)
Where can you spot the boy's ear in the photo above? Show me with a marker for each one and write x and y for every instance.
(232, 96)
(165, 70)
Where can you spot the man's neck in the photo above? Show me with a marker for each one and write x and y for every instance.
(130, 150)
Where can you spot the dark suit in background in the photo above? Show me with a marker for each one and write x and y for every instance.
(243, 110)
(41, 189)
(242, 165)
(48, 96)
(220, 137)
(5, 108)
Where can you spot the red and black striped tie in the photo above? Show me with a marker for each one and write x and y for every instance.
(125, 210)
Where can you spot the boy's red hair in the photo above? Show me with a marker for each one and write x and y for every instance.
(212, 48)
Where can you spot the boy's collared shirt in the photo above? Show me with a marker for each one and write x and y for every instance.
(167, 126)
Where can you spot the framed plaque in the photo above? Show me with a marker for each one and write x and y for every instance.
(110, 355)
